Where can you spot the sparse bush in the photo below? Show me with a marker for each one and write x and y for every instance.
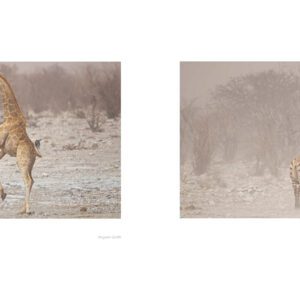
(202, 146)
(95, 118)
(197, 133)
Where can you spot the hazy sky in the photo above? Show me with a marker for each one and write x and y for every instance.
(199, 78)
(29, 67)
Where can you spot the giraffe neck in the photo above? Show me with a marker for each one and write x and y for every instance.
(11, 109)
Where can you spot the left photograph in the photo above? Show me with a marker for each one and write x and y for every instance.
(60, 140)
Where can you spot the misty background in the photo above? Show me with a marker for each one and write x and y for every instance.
(240, 128)
(233, 110)
(62, 86)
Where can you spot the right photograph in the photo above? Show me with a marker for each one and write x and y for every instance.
(239, 139)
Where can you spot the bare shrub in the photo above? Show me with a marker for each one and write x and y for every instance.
(197, 137)
(96, 118)
(186, 129)
(202, 146)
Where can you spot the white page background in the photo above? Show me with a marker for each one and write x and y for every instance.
(159, 255)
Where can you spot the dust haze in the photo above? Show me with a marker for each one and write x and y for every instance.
(240, 129)
(75, 108)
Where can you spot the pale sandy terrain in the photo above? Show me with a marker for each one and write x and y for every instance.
(78, 175)
(230, 190)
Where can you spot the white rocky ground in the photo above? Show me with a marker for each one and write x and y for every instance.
(230, 190)
(78, 175)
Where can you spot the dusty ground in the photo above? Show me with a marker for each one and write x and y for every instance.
(230, 191)
(78, 175)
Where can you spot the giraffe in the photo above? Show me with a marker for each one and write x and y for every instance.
(15, 142)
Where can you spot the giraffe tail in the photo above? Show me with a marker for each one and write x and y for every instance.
(37, 152)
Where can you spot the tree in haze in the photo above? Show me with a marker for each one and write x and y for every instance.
(253, 117)
(261, 110)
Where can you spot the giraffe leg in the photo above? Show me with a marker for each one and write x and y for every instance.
(25, 161)
(3, 137)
